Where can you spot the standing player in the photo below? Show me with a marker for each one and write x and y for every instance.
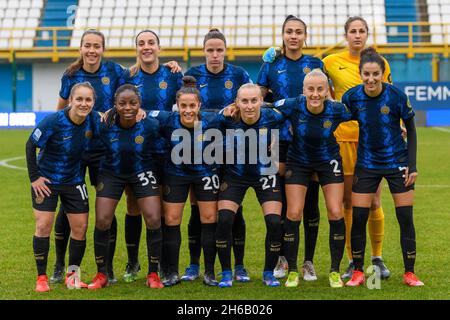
(284, 78)
(218, 83)
(343, 70)
(62, 138)
(128, 161)
(189, 129)
(382, 153)
(314, 150)
(104, 78)
(253, 172)
(157, 85)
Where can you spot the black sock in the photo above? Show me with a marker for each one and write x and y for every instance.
(283, 211)
(224, 237)
(133, 229)
(358, 241)
(194, 235)
(291, 237)
(76, 251)
(171, 248)
(311, 218)
(112, 243)
(273, 240)
(407, 236)
(337, 243)
(154, 244)
(41, 247)
(209, 246)
(163, 264)
(62, 235)
(101, 241)
(238, 233)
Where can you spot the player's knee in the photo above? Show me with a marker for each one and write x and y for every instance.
(209, 218)
(376, 203)
(294, 215)
(172, 219)
(43, 229)
(132, 206)
(335, 214)
(103, 223)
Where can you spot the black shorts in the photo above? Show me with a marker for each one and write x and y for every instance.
(91, 160)
(267, 188)
(328, 172)
(74, 198)
(368, 180)
(159, 162)
(143, 185)
(176, 188)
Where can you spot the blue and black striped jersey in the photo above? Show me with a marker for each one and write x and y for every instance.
(284, 77)
(218, 90)
(247, 147)
(313, 139)
(381, 145)
(187, 145)
(128, 151)
(62, 144)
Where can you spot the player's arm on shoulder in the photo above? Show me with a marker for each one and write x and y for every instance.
(173, 66)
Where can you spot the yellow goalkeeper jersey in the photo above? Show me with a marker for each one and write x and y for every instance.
(343, 70)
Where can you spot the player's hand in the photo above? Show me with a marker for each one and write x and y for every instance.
(404, 132)
(410, 178)
(104, 115)
(230, 110)
(173, 66)
(40, 188)
(271, 54)
(141, 115)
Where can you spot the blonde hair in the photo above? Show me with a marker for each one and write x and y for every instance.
(314, 74)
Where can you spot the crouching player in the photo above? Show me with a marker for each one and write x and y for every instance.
(382, 153)
(247, 168)
(187, 134)
(128, 161)
(62, 139)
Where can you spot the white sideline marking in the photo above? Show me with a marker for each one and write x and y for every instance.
(4, 163)
(442, 129)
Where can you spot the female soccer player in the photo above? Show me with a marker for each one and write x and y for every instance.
(189, 129)
(343, 70)
(128, 161)
(314, 150)
(157, 85)
(218, 83)
(284, 78)
(247, 169)
(104, 78)
(382, 153)
(62, 139)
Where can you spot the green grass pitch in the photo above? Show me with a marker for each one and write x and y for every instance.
(431, 213)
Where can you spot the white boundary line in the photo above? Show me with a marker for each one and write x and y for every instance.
(4, 163)
(442, 129)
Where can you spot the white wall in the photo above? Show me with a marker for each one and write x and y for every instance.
(46, 85)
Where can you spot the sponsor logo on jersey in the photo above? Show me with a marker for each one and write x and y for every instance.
(279, 102)
(163, 85)
(327, 124)
(385, 110)
(154, 113)
(66, 138)
(88, 134)
(203, 85)
(342, 68)
(228, 84)
(281, 71)
(306, 70)
(37, 134)
(106, 81)
(139, 139)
